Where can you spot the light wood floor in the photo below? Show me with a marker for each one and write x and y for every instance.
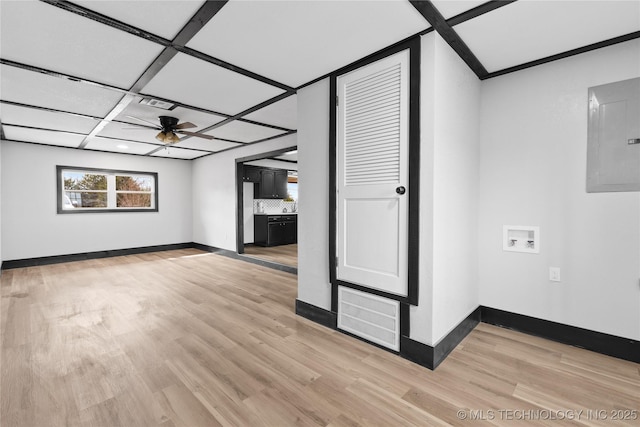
(184, 338)
(284, 254)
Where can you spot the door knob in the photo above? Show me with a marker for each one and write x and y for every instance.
(401, 190)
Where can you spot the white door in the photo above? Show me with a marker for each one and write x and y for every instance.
(372, 175)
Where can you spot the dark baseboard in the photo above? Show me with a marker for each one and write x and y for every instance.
(417, 352)
(611, 345)
(431, 357)
(56, 259)
(317, 314)
(246, 258)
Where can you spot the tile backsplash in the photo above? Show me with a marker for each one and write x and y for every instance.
(274, 206)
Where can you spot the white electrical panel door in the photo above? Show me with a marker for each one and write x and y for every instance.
(372, 175)
(613, 156)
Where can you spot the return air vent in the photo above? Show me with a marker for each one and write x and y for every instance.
(371, 317)
(158, 104)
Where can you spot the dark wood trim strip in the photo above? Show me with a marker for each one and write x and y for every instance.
(413, 223)
(234, 68)
(333, 203)
(477, 11)
(563, 55)
(106, 20)
(245, 258)
(416, 352)
(56, 74)
(208, 10)
(261, 156)
(254, 142)
(239, 207)
(611, 345)
(437, 21)
(56, 259)
(455, 337)
(49, 110)
(317, 314)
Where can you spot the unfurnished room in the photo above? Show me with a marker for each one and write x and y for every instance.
(319, 213)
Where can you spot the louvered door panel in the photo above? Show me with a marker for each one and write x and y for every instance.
(372, 128)
(372, 148)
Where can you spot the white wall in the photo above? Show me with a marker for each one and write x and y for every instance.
(32, 228)
(214, 192)
(450, 101)
(313, 204)
(533, 172)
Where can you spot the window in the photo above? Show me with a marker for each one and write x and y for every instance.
(100, 190)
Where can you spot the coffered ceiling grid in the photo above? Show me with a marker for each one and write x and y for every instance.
(73, 73)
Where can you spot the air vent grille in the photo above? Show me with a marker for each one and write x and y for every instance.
(371, 317)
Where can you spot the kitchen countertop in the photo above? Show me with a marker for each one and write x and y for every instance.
(277, 213)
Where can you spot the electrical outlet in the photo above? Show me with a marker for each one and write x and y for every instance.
(554, 274)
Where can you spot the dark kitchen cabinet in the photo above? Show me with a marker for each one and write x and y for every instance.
(273, 184)
(251, 174)
(273, 230)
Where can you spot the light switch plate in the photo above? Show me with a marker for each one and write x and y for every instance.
(554, 274)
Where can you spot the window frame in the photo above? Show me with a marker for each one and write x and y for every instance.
(108, 172)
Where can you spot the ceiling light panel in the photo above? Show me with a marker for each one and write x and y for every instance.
(40, 136)
(294, 42)
(151, 114)
(38, 34)
(118, 146)
(32, 88)
(198, 83)
(24, 116)
(162, 18)
(529, 30)
(206, 144)
(451, 8)
(178, 153)
(282, 113)
(243, 132)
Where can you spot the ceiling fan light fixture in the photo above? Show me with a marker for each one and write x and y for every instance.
(171, 138)
(161, 136)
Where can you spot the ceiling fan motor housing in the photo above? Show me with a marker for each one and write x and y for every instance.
(168, 123)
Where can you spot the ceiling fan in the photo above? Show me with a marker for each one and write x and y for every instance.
(169, 127)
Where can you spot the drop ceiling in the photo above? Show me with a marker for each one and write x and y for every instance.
(77, 74)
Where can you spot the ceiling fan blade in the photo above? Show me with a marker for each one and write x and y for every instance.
(155, 125)
(185, 125)
(199, 135)
(140, 127)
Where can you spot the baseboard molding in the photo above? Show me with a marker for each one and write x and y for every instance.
(246, 258)
(316, 314)
(417, 352)
(56, 259)
(431, 357)
(611, 345)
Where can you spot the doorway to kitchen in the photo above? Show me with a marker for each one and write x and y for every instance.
(267, 208)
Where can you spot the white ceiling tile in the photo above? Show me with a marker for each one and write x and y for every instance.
(294, 42)
(40, 136)
(119, 146)
(195, 82)
(206, 144)
(270, 163)
(282, 113)
(27, 87)
(151, 114)
(38, 34)
(528, 30)
(292, 155)
(178, 153)
(243, 132)
(129, 132)
(162, 18)
(24, 116)
(451, 8)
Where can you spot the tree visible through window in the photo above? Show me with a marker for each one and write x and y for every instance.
(92, 190)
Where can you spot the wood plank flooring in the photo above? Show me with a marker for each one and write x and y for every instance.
(284, 254)
(186, 338)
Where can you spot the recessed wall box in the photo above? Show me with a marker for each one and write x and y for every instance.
(521, 238)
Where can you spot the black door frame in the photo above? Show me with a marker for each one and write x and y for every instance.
(240, 191)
